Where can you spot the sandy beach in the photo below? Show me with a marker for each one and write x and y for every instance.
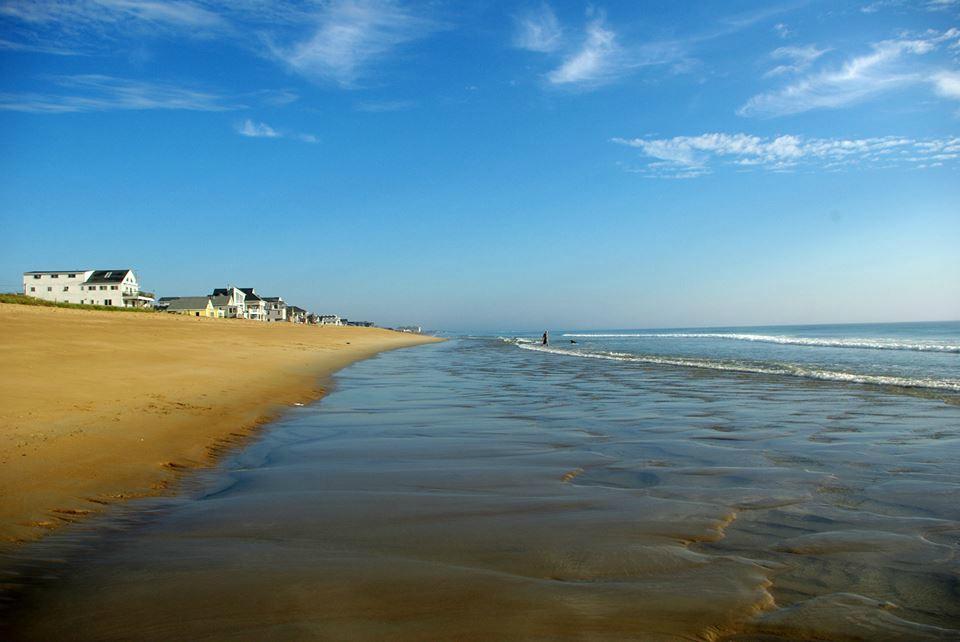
(103, 406)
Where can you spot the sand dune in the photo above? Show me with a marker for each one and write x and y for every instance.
(104, 406)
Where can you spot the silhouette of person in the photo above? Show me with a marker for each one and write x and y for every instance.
(546, 340)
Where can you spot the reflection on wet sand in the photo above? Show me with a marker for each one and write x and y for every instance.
(469, 491)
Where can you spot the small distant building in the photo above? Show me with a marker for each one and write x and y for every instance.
(256, 306)
(328, 319)
(296, 315)
(276, 308)
(164, 302)
(116, 288)
(195, 306)
(230, 301)
(413, 329)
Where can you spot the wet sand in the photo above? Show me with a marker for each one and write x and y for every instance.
(104, 406)
(471, 491)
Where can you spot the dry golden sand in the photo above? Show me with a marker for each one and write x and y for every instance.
(104, 406)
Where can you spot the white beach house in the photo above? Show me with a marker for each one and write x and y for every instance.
(276, 308)
(296, 315)
(256, 306)
(231, 302)
(117, 288)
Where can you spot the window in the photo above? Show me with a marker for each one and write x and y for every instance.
(103, 287)
(70, 276)
(54, 276)
(33, 289)
(113, 287)
(49, 289)
(66, 288)
(36, 276)
(108, 301)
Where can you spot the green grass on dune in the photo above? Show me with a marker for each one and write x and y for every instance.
(22, 299)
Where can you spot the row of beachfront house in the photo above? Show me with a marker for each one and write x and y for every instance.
(243, 303)
(121, 288)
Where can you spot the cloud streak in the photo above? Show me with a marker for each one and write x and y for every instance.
(250, 128)
(95, 92)
(350, 37)
(595, 62)
(859, 79)
(383, 106)
(692, 156)
(797, 59)
(538, 30)
(601, 55)
(81, 15)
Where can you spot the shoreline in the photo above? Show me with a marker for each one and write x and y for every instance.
(100, 408)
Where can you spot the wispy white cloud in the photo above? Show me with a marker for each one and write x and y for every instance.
(947, 84)
(10, 45)
(277, 97)
(929, 5)
(80, 14)
(860, 78)
(253, 129)
(95, 92)
(380, 106)
(176, 12)
(350, 36)
(782, 30)
(691, 156)
(797, 59)
(538, 30)
(598, 59)
(603, 54)
(82, 27)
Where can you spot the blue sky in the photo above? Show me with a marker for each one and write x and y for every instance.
(494, 164)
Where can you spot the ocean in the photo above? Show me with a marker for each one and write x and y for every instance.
(727, 484)
(911, 355)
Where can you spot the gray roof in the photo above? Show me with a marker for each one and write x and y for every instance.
(220, 300)
(55, 272)
(225, 291)
(251, 295)
(272, 299)
(189, 303)
(107, 276)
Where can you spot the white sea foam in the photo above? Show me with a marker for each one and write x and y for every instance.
(870, 344)
(793, 370)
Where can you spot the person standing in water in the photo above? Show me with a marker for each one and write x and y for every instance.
(546, 340)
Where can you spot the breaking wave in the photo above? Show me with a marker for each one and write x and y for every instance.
(869, 344)
(787, 369)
